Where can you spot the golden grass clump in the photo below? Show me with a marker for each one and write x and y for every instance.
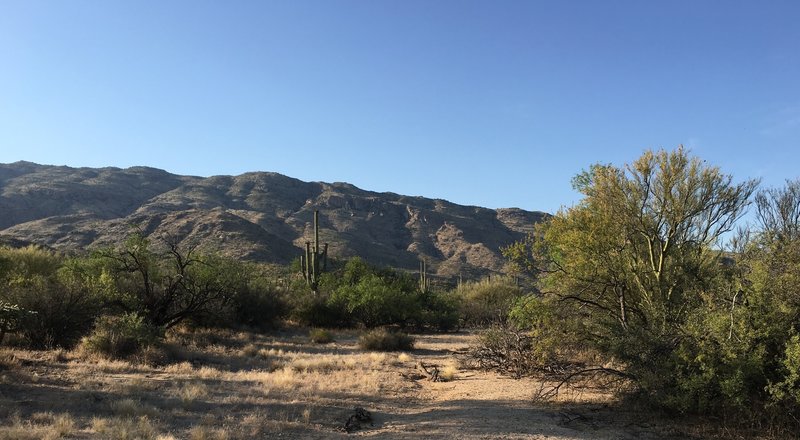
(40, 426)
(180, 368)
(320, 363)
(207, 373)
(250, 350)
(125, 428)
(202, 432)
(132, 408)
(448, 373)
(191, 392)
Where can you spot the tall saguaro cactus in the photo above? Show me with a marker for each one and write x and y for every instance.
(314, 262)
(424, 282)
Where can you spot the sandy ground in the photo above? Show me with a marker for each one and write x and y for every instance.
(243, 386)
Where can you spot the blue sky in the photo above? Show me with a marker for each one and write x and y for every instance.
(491, 103)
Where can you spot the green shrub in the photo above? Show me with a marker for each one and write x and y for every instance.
(487, 301)
(317, 310)
(384, 340)
(259, 305)
(439, 311)
(10, 318)
(121, 336)
(320, 336)
(61, 308)
(375, 301)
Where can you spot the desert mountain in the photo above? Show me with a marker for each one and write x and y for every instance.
(257, 216)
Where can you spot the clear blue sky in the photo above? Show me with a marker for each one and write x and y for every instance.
(491, 103)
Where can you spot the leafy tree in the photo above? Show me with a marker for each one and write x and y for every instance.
(373, 301)
(521, 257)
(175, 284)
(767, 320)
(740, 351)
(376, 296)
(624, 270)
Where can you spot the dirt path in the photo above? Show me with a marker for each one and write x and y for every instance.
(484, 405)
(230, 386)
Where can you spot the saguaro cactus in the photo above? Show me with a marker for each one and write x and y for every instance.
(315, 261)
(424, 282)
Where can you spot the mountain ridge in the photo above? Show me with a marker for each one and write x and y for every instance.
(259, 215)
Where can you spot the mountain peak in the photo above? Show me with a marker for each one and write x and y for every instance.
(261, 216)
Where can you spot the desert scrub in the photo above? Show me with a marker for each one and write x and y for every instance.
(448, 373)
(384, 340)
(506, 349)
(320, 336)
(121, 336)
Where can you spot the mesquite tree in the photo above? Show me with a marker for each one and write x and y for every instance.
(623, 270)
(173, 283)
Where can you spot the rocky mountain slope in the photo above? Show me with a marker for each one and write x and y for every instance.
(258, 216)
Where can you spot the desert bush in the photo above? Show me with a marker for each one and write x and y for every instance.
(10, 318)
(60, 309)
(172, 282)
(438, 311)
(256, 301)
(317, 310)
(634, 273)
(121, 336)
(320, 336)
(375, 301)
(487, 301)
(628, 267)
(259, 304)
(507, 350)
(385, 340)
(357, 293)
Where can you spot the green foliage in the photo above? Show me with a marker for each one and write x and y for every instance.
(61, 297)
(176, 283)
(11, 316)
(521, 257)
(259, 303)
(381, 339)
(487, 301)
(316, 309)
(121, 336)
(374, 301)
(320, 336)
(438, 311)
(59, 309)
(359, 293)
(632, 272)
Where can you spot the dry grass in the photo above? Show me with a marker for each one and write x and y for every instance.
(202, 432)
(124, 428)
(191, 392)
(448, 372)
(236, 386)
(43, 426)
(133, 408)
(320, 336)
